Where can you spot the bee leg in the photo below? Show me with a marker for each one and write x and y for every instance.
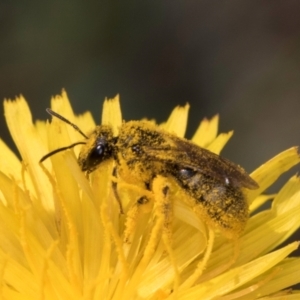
(164, 214)
(141, 206)
(114, 185)
(152, 234)
(132, 217)
(227, 265)
(236, 251)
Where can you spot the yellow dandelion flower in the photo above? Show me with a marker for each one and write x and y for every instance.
(64, 235)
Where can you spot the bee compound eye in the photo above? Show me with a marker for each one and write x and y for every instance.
(98, 151)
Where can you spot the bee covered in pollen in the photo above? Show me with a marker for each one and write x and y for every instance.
(142, 151)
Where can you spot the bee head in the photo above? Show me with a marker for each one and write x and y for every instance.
(99, 147)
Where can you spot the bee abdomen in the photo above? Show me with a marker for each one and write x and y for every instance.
(221, 206)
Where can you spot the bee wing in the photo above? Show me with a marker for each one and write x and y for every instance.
(185, 154)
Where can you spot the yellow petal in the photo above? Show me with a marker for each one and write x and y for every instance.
(61, 105)
(11, 164)
(29, 143)
(268, 173)
(285, 275)
(206, 132)
(82, 248)
(177, 121)
(111, 114)
(218, 144)
(237, 277)
(85, 122)
(259, 201)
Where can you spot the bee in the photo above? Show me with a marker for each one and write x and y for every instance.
(142, 151)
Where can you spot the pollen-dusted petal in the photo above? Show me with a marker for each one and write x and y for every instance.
(25, 136)
(268, 173)
(206, 132)
(234, 278)
(219, 142)
(111, 114)
(177, 121)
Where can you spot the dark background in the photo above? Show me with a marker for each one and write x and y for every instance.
(240, 59)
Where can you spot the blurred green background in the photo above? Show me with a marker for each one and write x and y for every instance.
(240, 59)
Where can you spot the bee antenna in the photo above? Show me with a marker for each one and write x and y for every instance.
(59, 150)
(54, 114)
